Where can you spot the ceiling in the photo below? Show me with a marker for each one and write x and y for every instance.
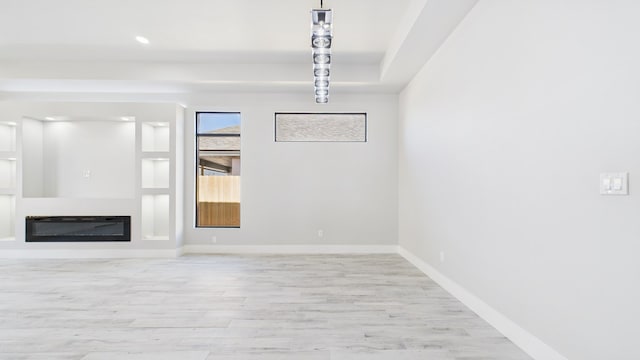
(213, 45)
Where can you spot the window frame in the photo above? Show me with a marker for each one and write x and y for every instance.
(366, 127)
(197, 136)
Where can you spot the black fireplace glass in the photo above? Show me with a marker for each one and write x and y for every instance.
(78, 228)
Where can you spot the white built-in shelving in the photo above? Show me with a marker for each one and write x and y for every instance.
(8, 160)
(118, 159)
(7, 136)
(155, 216)
(7, 217)
(7, 173)
(155, 165)
(155, 172)
(155, 136)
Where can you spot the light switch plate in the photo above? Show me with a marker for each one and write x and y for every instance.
(614, 183)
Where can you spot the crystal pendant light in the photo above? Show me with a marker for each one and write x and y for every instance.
(321, 39)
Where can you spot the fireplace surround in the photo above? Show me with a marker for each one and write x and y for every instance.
(78, 228)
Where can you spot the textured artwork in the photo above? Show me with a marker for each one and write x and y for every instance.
(337, 127)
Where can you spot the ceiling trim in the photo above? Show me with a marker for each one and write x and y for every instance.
(425, 27)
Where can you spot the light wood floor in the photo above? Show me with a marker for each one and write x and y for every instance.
(319, 307)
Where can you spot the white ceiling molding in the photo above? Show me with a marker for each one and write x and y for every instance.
(174, 77)
(194, 48)
(425, 27)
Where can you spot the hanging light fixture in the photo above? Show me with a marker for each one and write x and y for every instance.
(321, 38)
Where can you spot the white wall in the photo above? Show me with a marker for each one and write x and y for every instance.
(292, 190)
(105, 151)
(503, 135)
(289, 190)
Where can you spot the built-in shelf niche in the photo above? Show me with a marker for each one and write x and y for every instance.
(7, 136)
(78, 158)
(7, 162)
(7, 174)
(155, 173)
(155, 217)
(7, 217)
(155, 136)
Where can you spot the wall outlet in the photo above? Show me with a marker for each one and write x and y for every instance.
(320, 233)
(441, 256)
(214, 239)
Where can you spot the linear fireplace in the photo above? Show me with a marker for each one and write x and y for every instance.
(78, 228)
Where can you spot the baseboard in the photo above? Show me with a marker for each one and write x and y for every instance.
(194, 249)
(290, 249)
(87, 253)
(530, 344)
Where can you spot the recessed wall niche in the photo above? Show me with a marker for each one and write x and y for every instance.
(7, 217)
(78, 157)
(155, 136)
(155, 173)
(155, 217)
(7, 173)
(7, 136)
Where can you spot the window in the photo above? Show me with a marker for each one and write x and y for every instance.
(218, 169)
(337, 127)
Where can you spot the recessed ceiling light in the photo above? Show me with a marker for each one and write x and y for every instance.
(142, 40)
(127, 118)
(11, 123)
(50, 118)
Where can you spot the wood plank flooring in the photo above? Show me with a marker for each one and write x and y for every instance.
(272, 307)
